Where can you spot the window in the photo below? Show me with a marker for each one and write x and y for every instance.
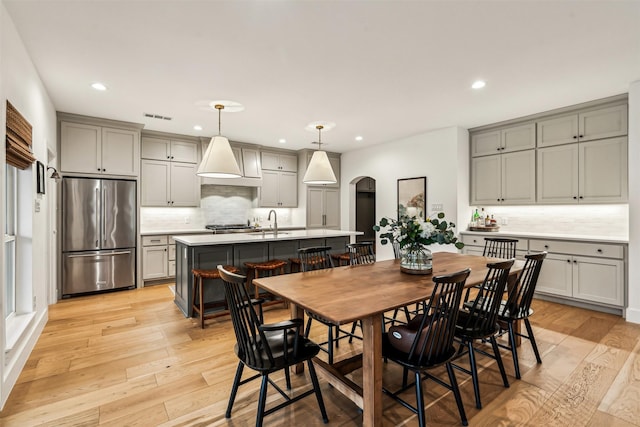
(10, 241)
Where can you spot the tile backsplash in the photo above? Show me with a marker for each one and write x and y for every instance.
(610, 220)
(219, 204)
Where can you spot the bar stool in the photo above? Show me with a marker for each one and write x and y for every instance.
(198, 305)
(295, 265)
(342, 259)
(256, 270)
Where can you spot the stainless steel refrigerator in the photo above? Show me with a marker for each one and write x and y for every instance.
(98, 234)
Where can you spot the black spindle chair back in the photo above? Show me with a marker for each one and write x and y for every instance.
(361, 253)
(499, 247)
(315, 258)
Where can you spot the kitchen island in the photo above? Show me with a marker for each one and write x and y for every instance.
(207, 251)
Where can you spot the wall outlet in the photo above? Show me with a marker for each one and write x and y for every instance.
(437, 207)
(187, 220)
(504, 220)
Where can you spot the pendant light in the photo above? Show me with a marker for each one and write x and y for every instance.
(218, 161)
(319, 170)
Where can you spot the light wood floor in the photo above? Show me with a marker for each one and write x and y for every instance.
(131, 359)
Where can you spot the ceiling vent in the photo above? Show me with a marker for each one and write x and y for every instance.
(157, 116)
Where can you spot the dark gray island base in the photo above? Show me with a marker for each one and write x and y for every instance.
(209, 251)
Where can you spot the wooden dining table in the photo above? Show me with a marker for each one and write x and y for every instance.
(342, 295)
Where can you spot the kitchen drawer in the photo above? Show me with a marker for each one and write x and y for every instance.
(154, 240)
(172, 253)
(470, 240)
(577, 248)
(172, 241)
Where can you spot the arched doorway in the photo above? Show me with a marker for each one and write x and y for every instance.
(366, 208)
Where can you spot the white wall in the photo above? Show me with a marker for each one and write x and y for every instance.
(21, 85)
(633, 307)
(440, 155)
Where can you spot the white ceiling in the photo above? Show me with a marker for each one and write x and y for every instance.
(381, 69)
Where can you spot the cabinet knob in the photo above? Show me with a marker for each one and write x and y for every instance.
(502, 200)
(98, 169)
(546, 246)
(498, 149)
(575, 262)
(168, 157)
(575, 136)
(568, 260)
(599, 251)
(580, 136)
(575, 198)
(497, 200)
(581, 197)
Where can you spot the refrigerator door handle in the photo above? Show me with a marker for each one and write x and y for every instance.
(98, 215)
(104, 225)
(95, 255)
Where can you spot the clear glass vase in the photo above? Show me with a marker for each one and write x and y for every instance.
(416, 261)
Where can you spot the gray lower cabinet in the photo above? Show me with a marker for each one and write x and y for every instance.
(582, 273)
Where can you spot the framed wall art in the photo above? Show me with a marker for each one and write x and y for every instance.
(412, 197)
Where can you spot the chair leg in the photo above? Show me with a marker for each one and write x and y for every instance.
(316, 388)
(201, 301)
(308, 328)
(330, 344)
(234, 389)
(533, 340)
(514, 349)
(496, 352)
(405, 377)
(422, 421)
(287, 378)
(456, 394)
(262, 400)
(474, 374)
(353, 331)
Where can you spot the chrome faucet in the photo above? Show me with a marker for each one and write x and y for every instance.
(275, 220)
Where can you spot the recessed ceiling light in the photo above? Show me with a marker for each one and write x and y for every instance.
(99, 86)
(359, 138)
(478, 84)
(197, 127)
(282, 141)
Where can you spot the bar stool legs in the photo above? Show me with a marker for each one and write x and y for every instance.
(198, 305)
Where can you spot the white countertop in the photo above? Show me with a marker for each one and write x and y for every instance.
(221, 239)
(173, 231)
(552, 236)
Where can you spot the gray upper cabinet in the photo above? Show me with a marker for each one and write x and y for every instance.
(504, 140)
(90, 149)
(587, 125)
(579, 156)
(279, 161)
(169, 150)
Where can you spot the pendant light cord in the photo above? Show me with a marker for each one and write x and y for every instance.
(319, 127)
(219, 107)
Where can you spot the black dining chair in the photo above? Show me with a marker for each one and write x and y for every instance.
(499, 247)
(319, 258)
(518, 308)
(478, 321)
(426, 343)
(266, 348)
(496, 247)
(360, 253)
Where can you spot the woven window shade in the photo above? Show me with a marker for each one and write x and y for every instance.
(18, 139)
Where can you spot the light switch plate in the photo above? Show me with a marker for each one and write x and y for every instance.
(438, 207)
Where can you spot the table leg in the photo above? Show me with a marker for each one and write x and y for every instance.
(297, 313)
(372, 371)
